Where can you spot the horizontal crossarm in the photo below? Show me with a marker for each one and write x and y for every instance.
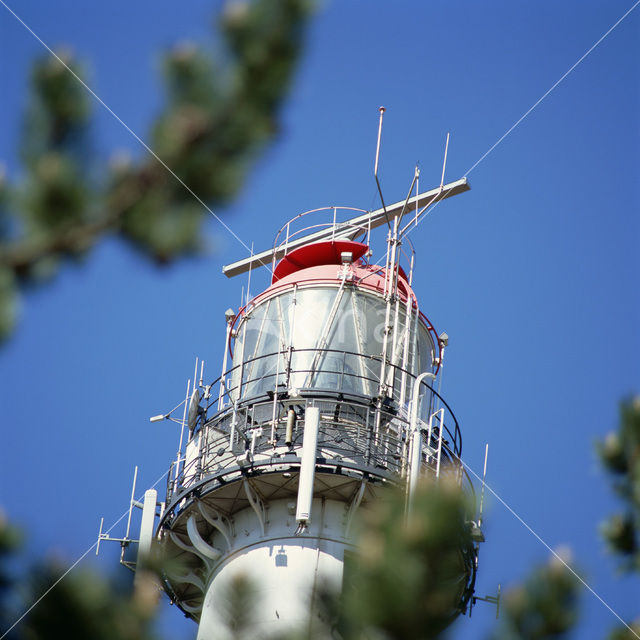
(351, 228)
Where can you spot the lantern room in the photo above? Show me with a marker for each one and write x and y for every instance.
(324, 325)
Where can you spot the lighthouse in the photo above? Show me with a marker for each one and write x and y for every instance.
(328, 397)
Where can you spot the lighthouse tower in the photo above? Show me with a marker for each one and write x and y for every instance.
(327, 397)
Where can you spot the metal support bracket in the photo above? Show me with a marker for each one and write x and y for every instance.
(256, 504)
(190, 549)
(217, 520)
(490, 599)
(353, 507)
(194, 611)
(200, 544)
(189, 578)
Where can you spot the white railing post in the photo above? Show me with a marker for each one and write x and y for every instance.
(441, 418)
(416, 437)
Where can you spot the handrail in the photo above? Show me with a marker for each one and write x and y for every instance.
(288, 224)
(229, 394)
(239, 423)
(272, 391)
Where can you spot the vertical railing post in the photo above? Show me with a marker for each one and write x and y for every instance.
(183, 424)
(441, 418)
(416, 439)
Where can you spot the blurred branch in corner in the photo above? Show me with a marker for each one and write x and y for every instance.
(220, 112)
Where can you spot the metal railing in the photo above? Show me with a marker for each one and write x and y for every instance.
(334, 379)
(365, 432)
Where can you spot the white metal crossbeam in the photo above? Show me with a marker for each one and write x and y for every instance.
(367, 220)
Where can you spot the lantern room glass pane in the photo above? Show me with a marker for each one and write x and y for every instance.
(334, 338)
(424, 350)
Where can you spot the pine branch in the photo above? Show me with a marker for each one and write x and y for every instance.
(216, 121)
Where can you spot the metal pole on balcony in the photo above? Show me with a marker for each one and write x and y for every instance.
(416, 437)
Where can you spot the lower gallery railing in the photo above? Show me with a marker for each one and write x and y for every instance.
(354, 433)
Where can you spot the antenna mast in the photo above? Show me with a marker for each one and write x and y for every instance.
(375, 168)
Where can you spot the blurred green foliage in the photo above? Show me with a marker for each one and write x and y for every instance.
(219, 114)
(409, 578)
(622, 633)
(10, 539)
(83, 605)
(620, 456)
(238, 606)
(544, 606)
(405, 579)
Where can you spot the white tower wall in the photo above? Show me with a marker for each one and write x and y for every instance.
(285, 571)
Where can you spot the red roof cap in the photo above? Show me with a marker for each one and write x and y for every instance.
(317, 254)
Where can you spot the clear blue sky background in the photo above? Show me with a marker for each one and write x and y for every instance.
(533, 273)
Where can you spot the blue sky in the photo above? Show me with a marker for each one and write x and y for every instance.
(533, 273)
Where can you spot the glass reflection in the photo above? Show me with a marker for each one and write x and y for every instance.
(325, 338)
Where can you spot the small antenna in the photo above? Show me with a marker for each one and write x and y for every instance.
(183, 424)
(103, 536)
(417, 191)
(201, 372)
(490, 599)
(131, 502)
(416, 175)
(195, 374)
(124, 542)
(437, 196)
(100, 536)
(249, 277)
(375, 168)
(484, 476)
(444, 163)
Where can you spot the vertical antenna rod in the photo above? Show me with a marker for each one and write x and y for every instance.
(484, 475)
(444, 163)
(184, 422)
(437, 195)
(273, 266)
(195, 374)
(375, 168)
(133, 497)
